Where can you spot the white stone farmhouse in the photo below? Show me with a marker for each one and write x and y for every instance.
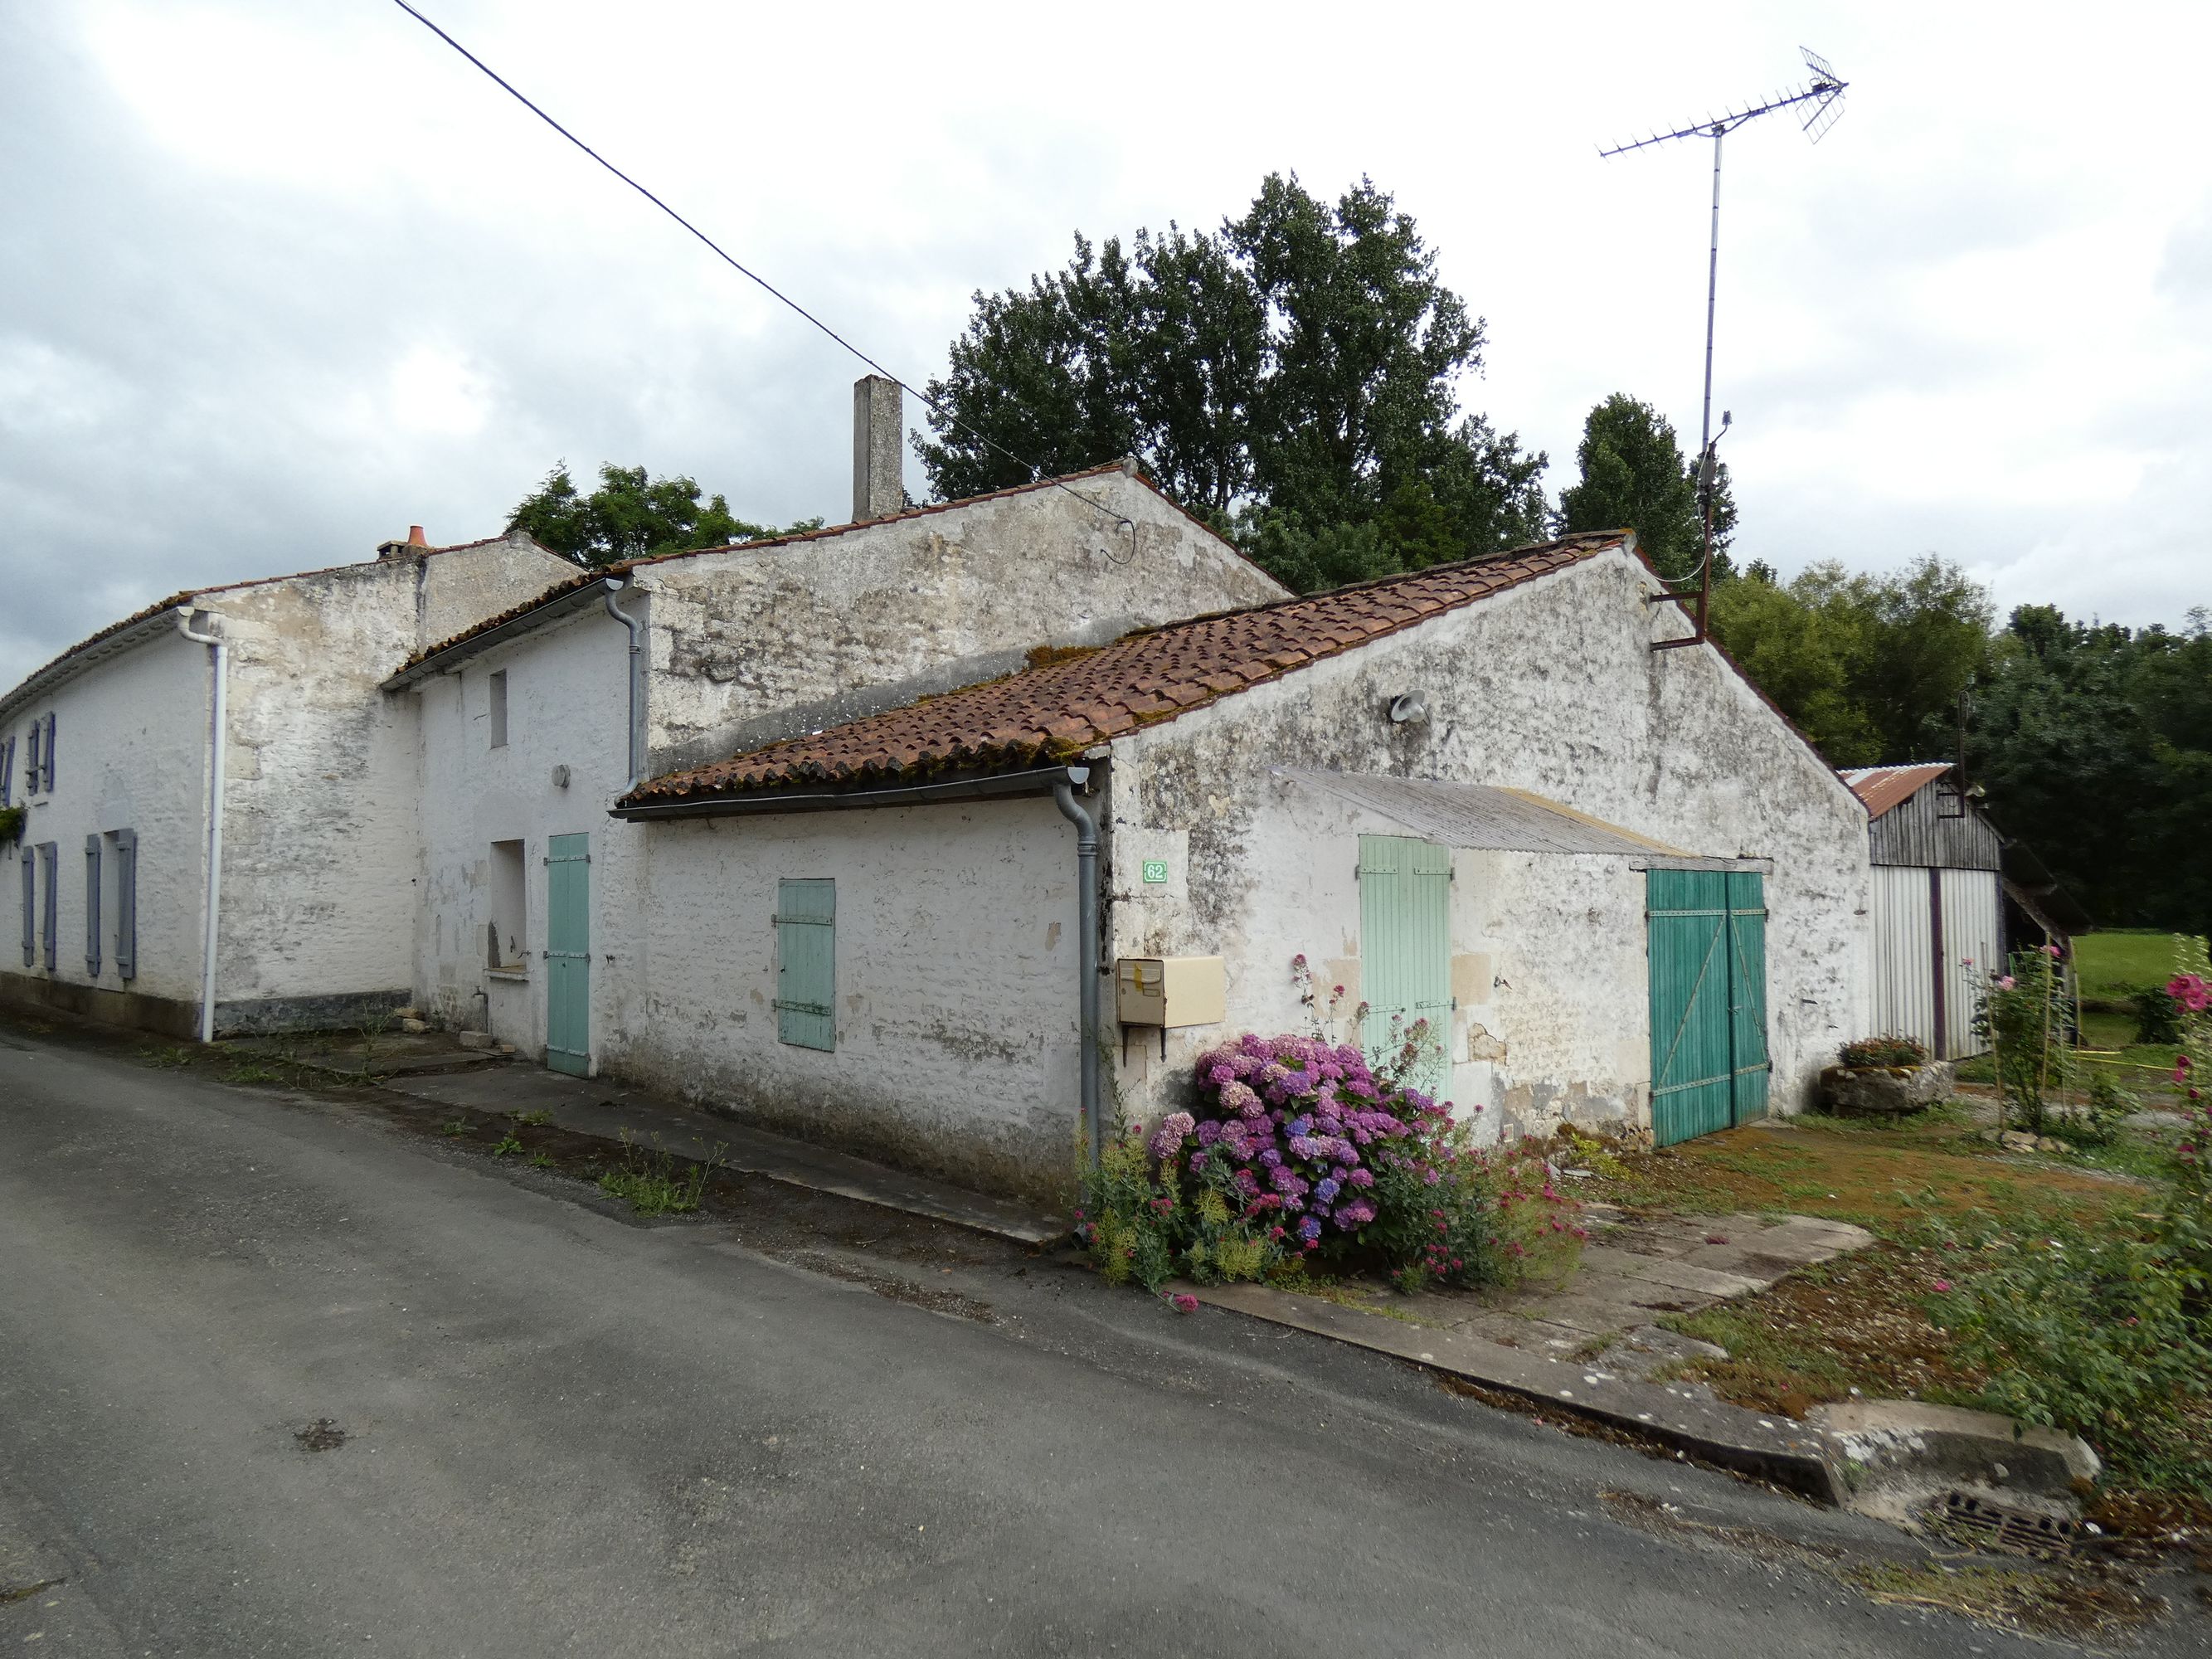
(263, 692)
(952, 834)
(1598, 882)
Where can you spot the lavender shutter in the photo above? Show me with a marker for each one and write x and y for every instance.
(126, 903)
(31, 760)
(50, 752)
(49, 871)
(7, 769)
(30, 908)
(92, 906)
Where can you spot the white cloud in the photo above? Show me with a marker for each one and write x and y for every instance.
(278, 280)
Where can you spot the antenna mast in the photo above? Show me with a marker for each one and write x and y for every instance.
(1824, 95)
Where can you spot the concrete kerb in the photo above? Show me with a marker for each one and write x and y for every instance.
(609, 1111)
(1777, 1450)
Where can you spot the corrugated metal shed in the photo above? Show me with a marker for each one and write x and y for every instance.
(1920, 818)
(1484, 819)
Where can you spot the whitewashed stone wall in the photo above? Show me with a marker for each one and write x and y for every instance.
(320, 827)
(751, 646)
(567, 706)
(956, 984)
(1550, 687)
(132, 754)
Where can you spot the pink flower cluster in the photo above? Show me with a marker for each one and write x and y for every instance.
(1302, 1122)
(2191, 992)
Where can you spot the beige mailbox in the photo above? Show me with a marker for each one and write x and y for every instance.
(1165, 991)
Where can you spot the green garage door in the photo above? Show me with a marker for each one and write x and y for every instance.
(1707, 973)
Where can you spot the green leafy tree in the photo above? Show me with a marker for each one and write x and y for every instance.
(630, 516)
(1868, 667)
(1634, 476)
(2094, 743)
(1291, 378)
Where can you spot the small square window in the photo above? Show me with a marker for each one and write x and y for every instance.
(499, 709)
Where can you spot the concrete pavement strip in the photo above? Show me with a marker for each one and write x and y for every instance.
(1774, 1449)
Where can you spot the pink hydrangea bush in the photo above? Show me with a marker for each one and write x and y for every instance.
(1300, 1152)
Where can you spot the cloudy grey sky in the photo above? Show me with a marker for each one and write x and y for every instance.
(278, 280)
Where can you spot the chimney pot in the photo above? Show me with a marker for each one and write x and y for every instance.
(414, 536)
(877, 415)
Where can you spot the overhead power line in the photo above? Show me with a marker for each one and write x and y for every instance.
(935, 408)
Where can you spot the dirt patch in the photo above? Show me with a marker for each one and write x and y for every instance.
(889, 1285)
(13, 1593)
(1671, 1521)
(2077, 1607)
(321, 1435)
(1856, 1323)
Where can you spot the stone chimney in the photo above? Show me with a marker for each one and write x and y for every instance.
(876, 443)
(413, 545)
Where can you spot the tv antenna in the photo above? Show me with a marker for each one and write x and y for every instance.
(1822, 101)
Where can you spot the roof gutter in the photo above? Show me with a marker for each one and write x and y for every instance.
(1042, 781)
(561, 604)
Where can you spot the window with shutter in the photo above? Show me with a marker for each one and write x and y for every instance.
(126, 903)
(92, 906)
(49, 869)
(806, 964)
(30, 909)
(7, 771)
(50, 752)
(31, 759)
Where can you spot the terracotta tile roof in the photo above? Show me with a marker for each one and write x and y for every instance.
(1055, 711)
(622, 566)
(1881, 787)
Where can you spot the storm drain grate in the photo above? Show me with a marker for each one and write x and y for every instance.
(1976, 1519)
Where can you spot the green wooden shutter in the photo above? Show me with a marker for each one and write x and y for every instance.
(568, 954)
(806, 964)
(92, 906)
(126, 903)
(1748, 1059)
(1405, 953)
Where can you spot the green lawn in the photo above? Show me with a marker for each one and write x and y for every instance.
(2113, 964)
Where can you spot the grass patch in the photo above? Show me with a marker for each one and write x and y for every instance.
(544, 1161)
(1889, 1180)
(651, 1183)
(457, 1127)
(506, 1146)
(2111, 964)
(536, 1120)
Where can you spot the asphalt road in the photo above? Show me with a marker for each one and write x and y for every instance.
(810, 1430)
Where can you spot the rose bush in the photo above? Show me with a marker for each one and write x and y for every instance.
(1301, 1151)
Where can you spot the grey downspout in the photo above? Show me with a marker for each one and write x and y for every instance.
(1086, 947)
(637, 645)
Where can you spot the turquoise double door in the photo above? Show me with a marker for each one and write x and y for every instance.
(568, 954)
(1708, 970)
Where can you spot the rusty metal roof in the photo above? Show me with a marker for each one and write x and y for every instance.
(1056, 710)
(1883, 787)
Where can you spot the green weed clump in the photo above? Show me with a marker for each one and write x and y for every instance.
(651, 1184)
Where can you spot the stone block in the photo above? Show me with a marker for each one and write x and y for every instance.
(413, 1025)
(1884, 1090)
(476, 1040)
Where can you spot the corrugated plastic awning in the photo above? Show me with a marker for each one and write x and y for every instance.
(1482, 818)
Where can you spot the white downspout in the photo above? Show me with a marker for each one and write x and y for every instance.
(635, 762)
(218, 723)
